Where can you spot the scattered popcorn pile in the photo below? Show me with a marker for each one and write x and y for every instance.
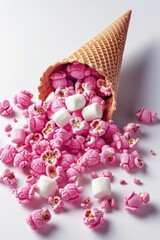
(64, 136)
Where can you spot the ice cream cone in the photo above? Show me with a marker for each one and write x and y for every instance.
(104, 53)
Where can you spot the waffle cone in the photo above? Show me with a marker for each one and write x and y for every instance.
(104, 53)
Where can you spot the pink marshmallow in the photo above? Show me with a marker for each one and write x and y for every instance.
(18, 135)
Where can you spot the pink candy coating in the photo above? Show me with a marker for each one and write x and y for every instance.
(93, 218)
(38, 218)
(25, 194)
(23, 99)
(146, 116)
(71, 192)
(5, 108)
(134, 201)
(8, 177)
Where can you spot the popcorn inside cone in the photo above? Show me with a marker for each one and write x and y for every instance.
(94, 66)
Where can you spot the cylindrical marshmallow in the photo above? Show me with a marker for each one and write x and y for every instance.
(101, 187)
(75, 102)
(51, 97)
(18, 135)
(46, 186)
(92, 112)
(61, 117)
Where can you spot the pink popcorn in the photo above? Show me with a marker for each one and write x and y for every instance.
(76, 144)
(51, 156)
(130, 160)
(137, 159)
(86, 203)
(146, 116)
(23, 99)
(56, 202)
(132, 128)
(145, 197)
(77, 113)
(61, 136)
(8, 177)
(108, 155)
(7, 154)
(108, 203)
(77, 70)
(62, 93)
(22, 159)
(39, 108)
(5, 108)
(90, 158)
(90, 141)
(38, 218)
(107, 173)
(59, 80)
(49, 130)
(57, 173)
(93, 218)
(99, 143)
(71, 192)
(111, 130)
(36, 123)
(98, 127)
(66, 160)
(74, 171)
(79, 126)
(94, 175)
(31, 180)
(124, 141)
(56, 105)
(134, 201)
(89, 83)
(37, 167)
(78, 87)
(103, 87)
(25, 194)
(99, 100)
(33, 138)
(88, 94)
(39, 147)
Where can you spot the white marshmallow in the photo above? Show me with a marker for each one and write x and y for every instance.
(46, 186)
(61, 117)
(92, 112)
(75, 102)
(101, 187)
(51, 97)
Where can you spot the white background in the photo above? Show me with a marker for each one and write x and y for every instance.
(36, 33)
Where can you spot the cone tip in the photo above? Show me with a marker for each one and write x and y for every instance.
(128, 14)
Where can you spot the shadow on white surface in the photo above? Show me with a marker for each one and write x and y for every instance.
(132, 82)
(49, 230)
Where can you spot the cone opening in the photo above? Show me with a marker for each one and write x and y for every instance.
(63, 67)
